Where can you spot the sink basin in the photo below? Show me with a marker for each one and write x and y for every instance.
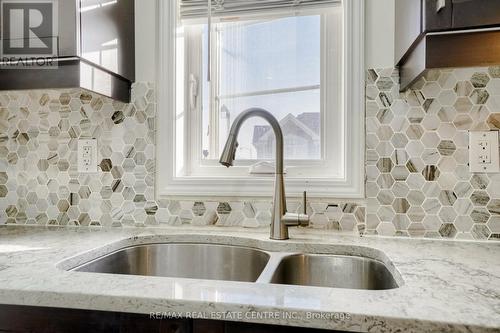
(197, 261)
(234, 263)
(334, 271)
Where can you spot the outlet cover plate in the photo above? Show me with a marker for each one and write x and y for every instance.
(483, 152)
(87, 156)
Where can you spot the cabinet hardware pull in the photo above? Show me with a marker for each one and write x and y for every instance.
(440, 4)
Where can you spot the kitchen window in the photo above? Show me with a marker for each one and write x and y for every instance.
(288, 57)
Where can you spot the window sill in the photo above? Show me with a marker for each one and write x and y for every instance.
(260, 187)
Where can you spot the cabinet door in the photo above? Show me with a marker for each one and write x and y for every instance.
(236, 327)
(26, 319)
(475, 13)
(208, 326)
(108, 36)
(130, 323)
(408, 26)
(438, 15)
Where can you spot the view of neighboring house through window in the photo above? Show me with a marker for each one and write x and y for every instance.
(271, 64)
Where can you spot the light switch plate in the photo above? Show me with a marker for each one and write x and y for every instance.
(87, 156)
(483, 152)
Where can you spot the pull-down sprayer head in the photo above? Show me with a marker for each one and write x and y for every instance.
(228, 154)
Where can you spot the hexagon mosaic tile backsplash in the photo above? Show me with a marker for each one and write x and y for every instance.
(40, 183)
(39, 132)
(417, 179)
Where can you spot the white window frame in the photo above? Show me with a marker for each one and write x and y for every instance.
(349, 185)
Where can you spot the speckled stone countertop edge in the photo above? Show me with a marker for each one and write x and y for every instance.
(448, 286)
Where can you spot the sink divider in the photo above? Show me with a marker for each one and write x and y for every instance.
(275, 259)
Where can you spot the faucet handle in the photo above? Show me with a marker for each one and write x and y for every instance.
(304, 202)
(295, 219)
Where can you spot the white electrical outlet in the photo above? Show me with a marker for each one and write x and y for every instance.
(483, 152)
(87, 156)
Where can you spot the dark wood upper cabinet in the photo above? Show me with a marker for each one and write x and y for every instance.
(423, 26)
(415, 17)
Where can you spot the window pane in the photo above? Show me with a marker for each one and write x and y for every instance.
(281, 53)
(299, 117)
(274, 65)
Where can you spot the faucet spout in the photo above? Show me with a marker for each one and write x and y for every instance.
(229, 152)
(280, 218)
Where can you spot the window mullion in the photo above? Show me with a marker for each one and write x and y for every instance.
(271, 92)
(324, 86)
(214, 93)
(332, 90)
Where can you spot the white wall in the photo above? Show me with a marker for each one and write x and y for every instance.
(379, 33)
(145, 39)
(379, 36)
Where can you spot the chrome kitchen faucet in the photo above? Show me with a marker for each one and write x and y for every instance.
(280, 218)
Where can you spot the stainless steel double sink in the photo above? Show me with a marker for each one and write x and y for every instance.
(234, 263)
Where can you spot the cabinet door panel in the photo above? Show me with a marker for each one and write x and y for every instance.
(475, 13)
(26, 319)
(208, 326)
(234, 327)
(438, 15)
(108, 36)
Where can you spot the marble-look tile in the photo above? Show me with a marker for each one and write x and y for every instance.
(416, 172)
(45, 126)
(432, 151)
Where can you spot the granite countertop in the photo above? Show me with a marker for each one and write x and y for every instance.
(446, 286)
